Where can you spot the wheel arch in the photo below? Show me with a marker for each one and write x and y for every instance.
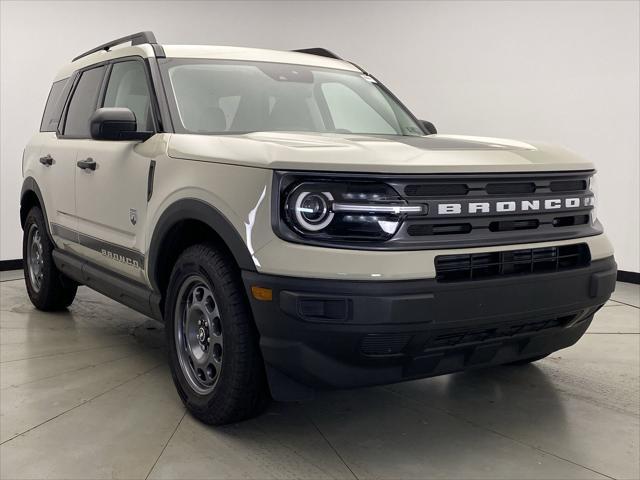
(184, 223)
(31, 196)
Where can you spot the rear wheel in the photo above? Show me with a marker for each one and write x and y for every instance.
(48, 289)
(214, 354)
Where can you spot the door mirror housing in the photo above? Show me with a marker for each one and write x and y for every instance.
(114, 123)
(429, 127)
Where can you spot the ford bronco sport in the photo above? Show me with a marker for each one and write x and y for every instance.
(297, 228)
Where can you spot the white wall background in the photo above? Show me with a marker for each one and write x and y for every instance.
(562, 72)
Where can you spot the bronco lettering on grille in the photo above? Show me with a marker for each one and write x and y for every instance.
(510, 206)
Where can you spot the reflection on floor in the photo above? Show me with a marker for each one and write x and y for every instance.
(87, 394)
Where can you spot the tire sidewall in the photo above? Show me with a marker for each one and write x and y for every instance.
(35, 217)
(185, 268)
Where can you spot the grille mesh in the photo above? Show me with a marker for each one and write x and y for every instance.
(568, 185)
(428, 190)
(478, 266)
(384, 343)
(510, 188)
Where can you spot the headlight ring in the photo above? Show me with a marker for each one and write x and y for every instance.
(312, 210)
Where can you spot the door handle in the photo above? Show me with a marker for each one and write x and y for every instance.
(87, 164)
(46, 160)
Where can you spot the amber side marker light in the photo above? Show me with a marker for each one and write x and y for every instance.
(261, 293)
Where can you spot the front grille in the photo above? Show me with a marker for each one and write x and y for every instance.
(451, 211)
(478, 266)
(494, 209)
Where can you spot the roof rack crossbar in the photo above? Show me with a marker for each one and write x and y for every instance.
(135, 39)
(322, 52)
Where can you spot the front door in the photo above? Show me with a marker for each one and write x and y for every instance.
(112, 180)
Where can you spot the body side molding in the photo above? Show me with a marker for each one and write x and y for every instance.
(114, 251)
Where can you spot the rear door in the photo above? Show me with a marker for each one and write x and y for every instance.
(58, 154)
(111, 199)
(49, 164)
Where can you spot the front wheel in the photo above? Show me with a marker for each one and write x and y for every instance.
(48, 289)
(213, 346)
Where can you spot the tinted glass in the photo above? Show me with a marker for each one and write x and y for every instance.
(55, 103)
(128, 88)
(239, 97)
(83, 103)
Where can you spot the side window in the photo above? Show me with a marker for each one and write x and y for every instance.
(83, 103)
(128, 88)
(55, 103)
(351, 113)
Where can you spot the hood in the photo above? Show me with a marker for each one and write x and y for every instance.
(374, 154)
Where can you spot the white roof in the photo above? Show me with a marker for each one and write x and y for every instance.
(209, 52)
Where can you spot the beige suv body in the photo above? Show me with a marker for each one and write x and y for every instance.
(366, 249)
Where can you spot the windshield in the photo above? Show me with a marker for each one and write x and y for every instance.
(214, 97)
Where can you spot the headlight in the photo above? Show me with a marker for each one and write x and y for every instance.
(312, 210)
(593, 186)
(349, 210)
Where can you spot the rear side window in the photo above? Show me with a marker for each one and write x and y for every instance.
(83, 103)
(55, 103)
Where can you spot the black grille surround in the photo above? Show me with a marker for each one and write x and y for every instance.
(495, 228)
(431, 230)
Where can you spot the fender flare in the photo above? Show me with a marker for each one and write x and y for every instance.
(30, 185)
(194, 209)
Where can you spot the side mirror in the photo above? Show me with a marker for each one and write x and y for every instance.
(429, 127)
(115, 123)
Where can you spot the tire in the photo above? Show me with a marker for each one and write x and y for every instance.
(527, 361)
(48, 289)
(214, 354)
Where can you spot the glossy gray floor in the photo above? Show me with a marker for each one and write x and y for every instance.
(87, 394)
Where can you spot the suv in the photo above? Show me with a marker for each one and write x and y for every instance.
(297, 228)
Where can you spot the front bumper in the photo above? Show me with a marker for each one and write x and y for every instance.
(318, 334)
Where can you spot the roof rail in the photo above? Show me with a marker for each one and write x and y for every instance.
(135, 39)
(322, 52)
